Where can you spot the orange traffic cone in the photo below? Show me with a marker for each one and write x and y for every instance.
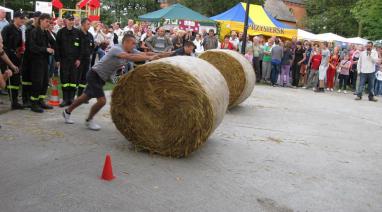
(54, 96)
(107, 173)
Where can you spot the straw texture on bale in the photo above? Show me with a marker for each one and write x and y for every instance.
(170, 106)
(237, 71)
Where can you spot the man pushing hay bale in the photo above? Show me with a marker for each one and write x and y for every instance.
(237, 71)
(170, 106)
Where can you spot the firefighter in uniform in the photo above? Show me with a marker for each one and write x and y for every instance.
(87, 48)
(40, 48)
(25, 70)
(68, 43)
(13, 47)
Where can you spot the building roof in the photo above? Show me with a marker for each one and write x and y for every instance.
(296, 1)
(279, 10)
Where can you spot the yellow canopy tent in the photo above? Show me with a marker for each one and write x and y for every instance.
(260, 22)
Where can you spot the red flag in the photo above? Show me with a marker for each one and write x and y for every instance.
(57, 4)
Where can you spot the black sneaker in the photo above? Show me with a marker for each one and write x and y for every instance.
(17, 106)
(3, 92)
(26, 104)
(358, 98)
(43, 105)
(373, 99)
(36, 108)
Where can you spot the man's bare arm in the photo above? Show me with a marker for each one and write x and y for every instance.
(135, 57)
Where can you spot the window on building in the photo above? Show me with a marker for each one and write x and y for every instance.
(291, 11)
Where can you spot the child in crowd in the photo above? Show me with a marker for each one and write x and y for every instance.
(325, 53)
(286, 64)
(315, 61)
(345, 66)
(378, 81)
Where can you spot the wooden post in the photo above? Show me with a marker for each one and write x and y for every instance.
(360, 29)
(244, 46)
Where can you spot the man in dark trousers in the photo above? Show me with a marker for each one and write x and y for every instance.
(118, 56)
(68, 56)
(12, 39)
(87, 48)
(25, 68)
(40, 49)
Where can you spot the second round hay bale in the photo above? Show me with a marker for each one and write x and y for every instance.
(237, 71)
(170, 106)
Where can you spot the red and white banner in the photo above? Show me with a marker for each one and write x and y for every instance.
(189, 25)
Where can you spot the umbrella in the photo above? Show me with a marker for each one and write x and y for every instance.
(357, 40)
(175, 12)
(331, 37)
(260, 22)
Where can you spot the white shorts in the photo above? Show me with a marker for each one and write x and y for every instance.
(322, 72)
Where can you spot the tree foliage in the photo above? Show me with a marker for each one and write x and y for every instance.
(122, 10)
(368, 14)
(331, 16)
(27, 5)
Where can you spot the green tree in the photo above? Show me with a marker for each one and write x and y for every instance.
(19, 4)
(331, 16)
(368, 14)
(122, 10)
(27, 5)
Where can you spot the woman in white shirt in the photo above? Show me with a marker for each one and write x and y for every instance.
(103, 40)
(198, 42)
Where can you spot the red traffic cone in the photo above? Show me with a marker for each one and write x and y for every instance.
(107, 173)
(54, 97)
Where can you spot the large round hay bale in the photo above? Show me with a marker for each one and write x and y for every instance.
(170, 106)
(237, 71)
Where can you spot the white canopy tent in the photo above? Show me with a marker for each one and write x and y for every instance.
(304, 35)
(7, 10)
(331, 37)
(357, 40)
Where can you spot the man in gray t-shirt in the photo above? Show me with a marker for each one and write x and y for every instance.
(111, 62)
(277, 54)
(115, 59)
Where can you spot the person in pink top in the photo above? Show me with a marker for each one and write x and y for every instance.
(353, 70)
(345, 66)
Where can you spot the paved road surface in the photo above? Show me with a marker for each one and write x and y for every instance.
(282, 150)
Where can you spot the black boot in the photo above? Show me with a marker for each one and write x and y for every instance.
(14, 97)
(73, 95)
(45, 106)
(26, 99)
(65, 99)
(35, 107)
